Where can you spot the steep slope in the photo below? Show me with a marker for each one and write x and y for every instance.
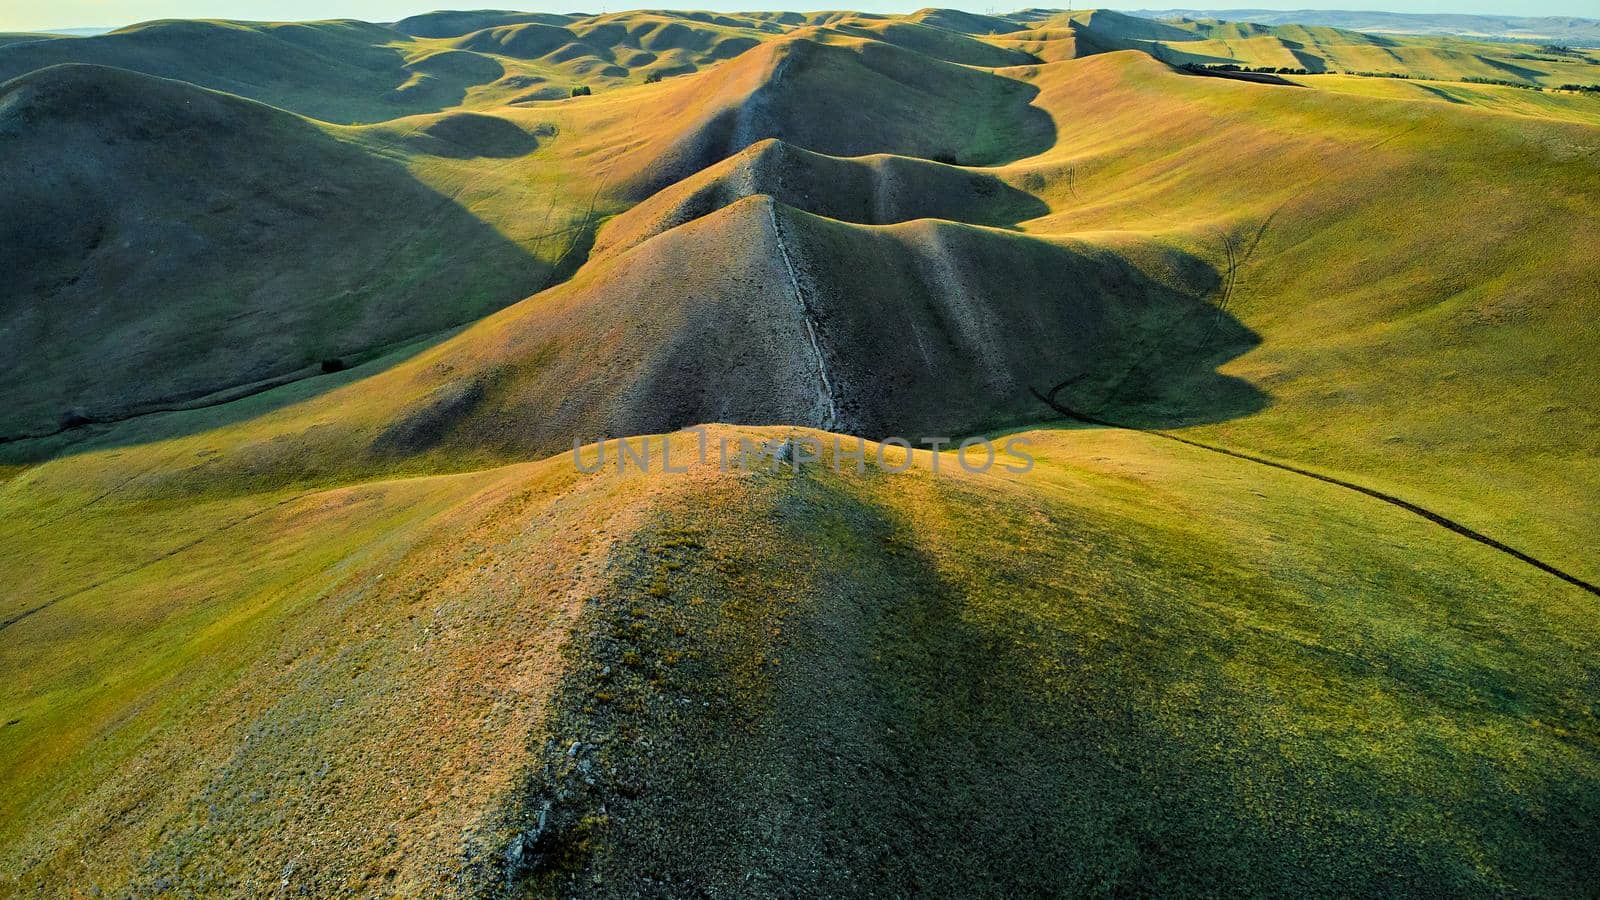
(870, 190)
(846, 97)
(351, 72)
(958, 682)
(273, 646)
(930, 39)
(163, 242)
(926, 328)
(962, 22)
(1181, 174)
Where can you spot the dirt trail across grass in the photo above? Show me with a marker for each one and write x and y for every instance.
(1436, 518)
(831, 423)
(188, 545)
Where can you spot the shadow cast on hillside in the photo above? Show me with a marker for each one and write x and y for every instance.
(913, 352)
(325, 281)
(965, 718)
(881, 99)
(1161, 367)
(1084, 328)
(341, 72)
(465, 135)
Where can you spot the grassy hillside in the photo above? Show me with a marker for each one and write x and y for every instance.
(1403, 339)
(844, 96)
(914, 689)
(543, 58)
(1188, 654)
(1116, 181)
(352, 72)
(166, 243)
(1304, 364)
(341, 71)
(1567, 105)
(17, 37)
(455, 23)
(869, 190)
(927, 328)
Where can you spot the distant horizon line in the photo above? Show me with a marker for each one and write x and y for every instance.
(92, 30)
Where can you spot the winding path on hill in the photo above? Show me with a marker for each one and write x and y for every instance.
(831, 423)
(1436, 518)
(161, 557)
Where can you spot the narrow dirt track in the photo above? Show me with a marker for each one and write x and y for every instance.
(1434, 517)
(831, 423)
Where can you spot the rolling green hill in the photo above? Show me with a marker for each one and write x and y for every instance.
(153, 231)
(453, 23)
(1296, 596)
(339, 71)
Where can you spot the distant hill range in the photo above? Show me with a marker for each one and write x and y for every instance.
(1564, 29)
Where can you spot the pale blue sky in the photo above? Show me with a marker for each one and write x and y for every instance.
(26, 15)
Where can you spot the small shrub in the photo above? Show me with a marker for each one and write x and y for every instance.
(1259, 70)
(581, 90)
(1473, 79)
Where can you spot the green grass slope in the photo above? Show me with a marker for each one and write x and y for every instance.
(166, 242)
(619, 46)
(1566, 105)
(845, 96)
(1152, 155)
(340, 71)
(306, 582)
(1414, 333)
(1131, 670)
(870, 190)
(455, 23)
(927, 328)
(373, 632)
(1054, 681)
(920, 329)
